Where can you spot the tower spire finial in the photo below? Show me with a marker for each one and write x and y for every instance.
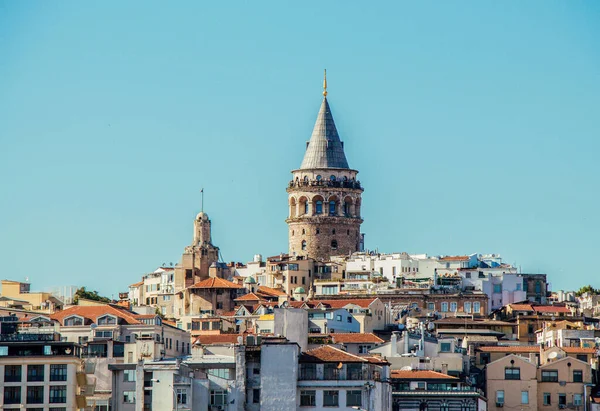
(325, 83)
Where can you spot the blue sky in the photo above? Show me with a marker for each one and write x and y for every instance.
(474, 125)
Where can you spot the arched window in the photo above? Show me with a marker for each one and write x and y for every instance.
(318, 231)
(319, 207)
(334, 244)
(348, 232)
(292, 233)
(319, 177)
(346, 208)
(333, 231)
(306, 207)
(332, 208)
(303, 245)
(332, 177)
(303, 231)
(538, 287)
(345, 179)
(306, 179)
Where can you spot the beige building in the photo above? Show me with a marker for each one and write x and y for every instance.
(324, 196)
(18, 294)
(515, 382)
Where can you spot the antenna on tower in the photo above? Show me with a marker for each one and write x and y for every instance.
(202, 199)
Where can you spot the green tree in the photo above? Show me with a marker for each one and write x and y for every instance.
(89, 295)
(587, 289)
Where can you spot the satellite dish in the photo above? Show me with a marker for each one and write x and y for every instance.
(406, 368)
(553, 355)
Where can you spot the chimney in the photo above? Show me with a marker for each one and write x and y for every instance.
(394, 344)
(445, 369)
(406, 342)
(533, 358)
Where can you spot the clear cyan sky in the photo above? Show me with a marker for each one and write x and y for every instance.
(475, 126)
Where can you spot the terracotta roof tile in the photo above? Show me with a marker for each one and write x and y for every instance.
(521, 307)
(217, 339)
(341, 303)
(509, 349)
(215, 282)
(578, 350)
(92, 312)
(250, 297)
(551, 309)
(349, 338)
(271, 291)
(421, 375)
(137, 284)
(455, 258)
(327, 353)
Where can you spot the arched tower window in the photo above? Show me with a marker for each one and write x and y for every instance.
(332, 208)
(334, 244)
(306, 207)
(319, 207)
(319, 177)
(303, 245)
(333, 231)
(303, 231)
(332, 177)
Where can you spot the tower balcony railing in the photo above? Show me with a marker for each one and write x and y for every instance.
(326, 183)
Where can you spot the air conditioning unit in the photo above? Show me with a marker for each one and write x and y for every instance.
(499, 404)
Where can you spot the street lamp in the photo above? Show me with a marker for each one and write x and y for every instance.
(174, 393)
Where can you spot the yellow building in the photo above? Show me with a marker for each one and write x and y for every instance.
(18, 295)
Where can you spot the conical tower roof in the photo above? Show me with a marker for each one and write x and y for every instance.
(325, 149)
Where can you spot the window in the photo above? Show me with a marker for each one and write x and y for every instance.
(444, 307)
(512, 373)
(550, 376)
(518, 287)
(467, 275)
(476, 307)
(58, 394)
(497, 288)
(577, 399)
(107, 320)
(524, 397)
(582, 357)
(308, 398)
(453, 307)
(354, 398)
(485, 358)
(467, 307)
(218, 397)
(500, 397)
(538, 287)
(349, 319)
(334, 244)
(547, 398)
(338, 317)
(219, 372)
(35, 395)
(129, 375)
(329, 289)
(319, 177)
(319, 207)
(12, 373)
(73, 321)
(12, 395)
(318, 231)
(104, 334)
(332, 208)
(303, 245)
(562, 400)
(58, 372)
(577, 376)
(256, 396)
(181, 395)
(35, 373)
(431, 306)
(129, 397)
(364, 349)
(354, 372)
(445, 347)
(331, 399)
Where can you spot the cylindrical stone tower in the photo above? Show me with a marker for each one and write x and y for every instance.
(324, 196)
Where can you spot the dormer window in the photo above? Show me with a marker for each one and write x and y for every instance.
(107, 320)
(73, 321)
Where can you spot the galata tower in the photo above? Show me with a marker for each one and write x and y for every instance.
(324, 196)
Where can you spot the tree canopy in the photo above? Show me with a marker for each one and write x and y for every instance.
(89, 295)
(587, 289)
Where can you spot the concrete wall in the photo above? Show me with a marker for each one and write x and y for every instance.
(292, 323)
(512, 388)
(279, 374)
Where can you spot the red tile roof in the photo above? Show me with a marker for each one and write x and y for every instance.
(455, 258)
(551, 309)
(421, 375)
(215, 282)
(578, 350)
(92, 312)
(327, 353)
(217, 339)
(270, 291)
(351, 338)
(341, 303)
(250, 297)
(521, 307)
(137, 284)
